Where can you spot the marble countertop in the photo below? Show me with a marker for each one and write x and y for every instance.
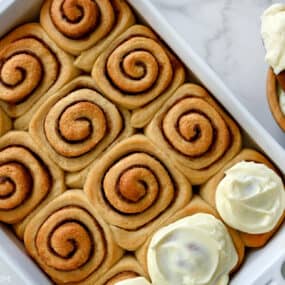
(226, 34)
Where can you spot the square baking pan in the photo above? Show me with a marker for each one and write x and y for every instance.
(263, 266)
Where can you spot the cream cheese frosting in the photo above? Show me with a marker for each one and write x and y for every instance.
(134, 281)
(196, 250)
(273, 34)
(251, 197)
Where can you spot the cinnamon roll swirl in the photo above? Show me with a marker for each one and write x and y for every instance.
(128, 267)
(138, 72)
(31, 68)
(77, 124)
(87, 26)
(197, 134)
(256, 206)
(135, 187)
(28, 179)
(70, 242)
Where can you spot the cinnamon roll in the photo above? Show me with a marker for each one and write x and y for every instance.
(31, 68)
(28, 179)
(85, 27)
(138, 72)
(196, 133)
(196, 206)
(77, 124)
(249, 195)
(135, 187)
(70, 241)
(125, 269)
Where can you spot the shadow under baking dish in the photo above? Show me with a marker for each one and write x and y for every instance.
(15, 12)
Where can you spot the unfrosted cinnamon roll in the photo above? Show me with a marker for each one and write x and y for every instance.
(135, 188)
(85, 27)
(70, 242)
(77, 124)
(138, 72)
(28, 179)
(32, 67)
(249, 195)
(126, 268)
(196, 133)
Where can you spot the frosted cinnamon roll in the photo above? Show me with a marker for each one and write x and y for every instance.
(193, 250)
(197, 206)
(138, 72)
(77, 124)
(5, 122)
(195, 132)
(249, 195)
(135, 188)
(28, 179)
(127, 268)
(70, 242)
(85, 26)
(32, 67)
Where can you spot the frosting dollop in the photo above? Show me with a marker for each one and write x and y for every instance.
(251, 197)
(272, 31)
(134, 281)
(194, 250)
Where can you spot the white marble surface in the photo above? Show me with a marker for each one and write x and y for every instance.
(226, 34)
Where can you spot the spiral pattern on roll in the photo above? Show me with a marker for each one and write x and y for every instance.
(22, 174)
(69, 239)
(77, 129)
(137, 70)
(196, 129)
(22, 68)
(139, 65)
(75, 18)
(137, 186)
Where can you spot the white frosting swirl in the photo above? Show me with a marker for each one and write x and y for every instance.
(194, 250)
(272, 31)
(134, 281)
(251, 197)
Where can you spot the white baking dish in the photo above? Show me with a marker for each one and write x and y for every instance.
(256, 269)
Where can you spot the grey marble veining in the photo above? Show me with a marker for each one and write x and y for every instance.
(226, 34)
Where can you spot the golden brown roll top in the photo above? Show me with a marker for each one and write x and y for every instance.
(138, 72)
(70, 242)
(32, 67)
(135, 187)
(197, 134)
(77, 124)
(86, 26)
(27, 178)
